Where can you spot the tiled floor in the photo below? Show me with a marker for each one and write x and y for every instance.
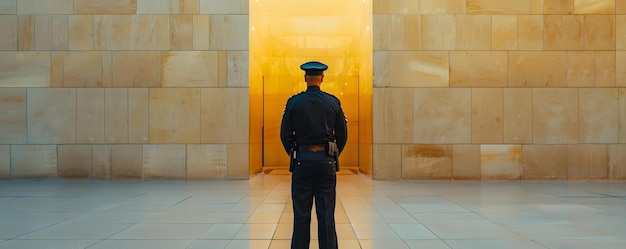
(257, 214)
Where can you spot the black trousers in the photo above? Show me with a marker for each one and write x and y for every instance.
(314, 179)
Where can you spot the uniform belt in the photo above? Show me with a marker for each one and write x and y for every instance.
(312, 148)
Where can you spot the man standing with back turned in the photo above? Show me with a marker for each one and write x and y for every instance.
(313, 132)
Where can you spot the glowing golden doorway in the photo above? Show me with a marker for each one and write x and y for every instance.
(285, 34)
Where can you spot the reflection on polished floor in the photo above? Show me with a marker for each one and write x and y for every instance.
(257, 214)
(285, 171)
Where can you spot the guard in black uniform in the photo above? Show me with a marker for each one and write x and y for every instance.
(313, 132)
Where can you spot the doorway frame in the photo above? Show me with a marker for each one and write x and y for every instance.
(365, 98)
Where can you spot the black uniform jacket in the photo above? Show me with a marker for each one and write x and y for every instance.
(313, 117)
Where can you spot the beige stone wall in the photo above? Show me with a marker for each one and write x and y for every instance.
(124, 89)
(499, 89)
(463, 89)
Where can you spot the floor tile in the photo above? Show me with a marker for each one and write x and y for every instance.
(366, 218)
(433, 207)
(386, 243)
(374, 231)
(430, 244)
(46, 244)
(412, 231)
(239, 244)
(142, 244)
(209, 244)
(105, 217)
(73, 231)
(187, 218)
(12, 230)
(449, 218)
(264, 217)
(256, 232)
(283, 231)
(281, 244)
(163, 231)
(230, 217)
(398, 217)
(257, 214)
(559, 231)
(470, 231)
(494, 244)
(221, 231)
(25, 217)
(583, 244)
